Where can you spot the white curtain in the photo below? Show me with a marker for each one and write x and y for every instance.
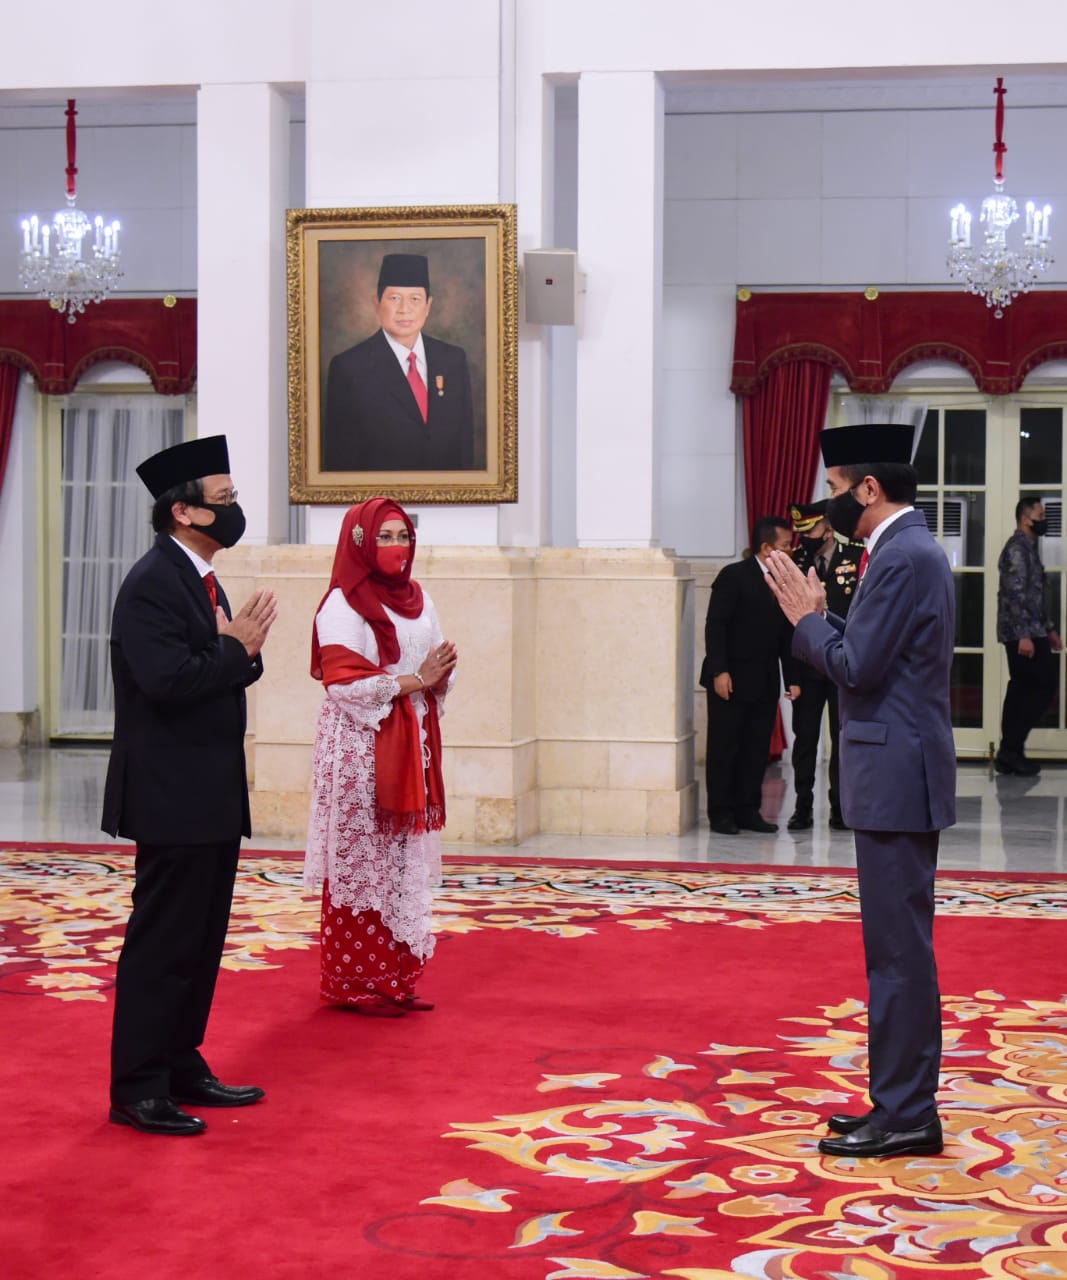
(885, 409)
(106, 528)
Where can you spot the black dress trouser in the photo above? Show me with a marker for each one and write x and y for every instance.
(816, 693)
(1031, 687)
(739, 744)
(169, 963)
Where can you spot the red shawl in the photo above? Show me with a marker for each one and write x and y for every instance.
(408, 799)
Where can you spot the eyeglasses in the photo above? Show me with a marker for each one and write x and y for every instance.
(388, 538)
(224, 499)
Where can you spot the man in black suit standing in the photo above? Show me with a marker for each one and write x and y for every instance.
(176, 785)
(837, 564)
(746, 642)
(401, 400)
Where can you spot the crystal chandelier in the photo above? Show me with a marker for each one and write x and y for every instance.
(993, 271)
(52, 261)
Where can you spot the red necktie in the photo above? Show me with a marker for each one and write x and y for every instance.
(211, 582)
(864, 561)
(418, 387)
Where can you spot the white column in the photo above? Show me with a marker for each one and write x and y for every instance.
(403, 108)
(242, 193)
(620, 214)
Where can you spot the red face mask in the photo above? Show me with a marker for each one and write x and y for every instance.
(393, 560)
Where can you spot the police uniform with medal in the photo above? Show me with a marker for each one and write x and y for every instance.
(836, 560)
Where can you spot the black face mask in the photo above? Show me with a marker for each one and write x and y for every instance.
(811, 546)
(229, 524)
(844, 513)
(1039, 527)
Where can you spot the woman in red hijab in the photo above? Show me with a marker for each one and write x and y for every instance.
(377, 805)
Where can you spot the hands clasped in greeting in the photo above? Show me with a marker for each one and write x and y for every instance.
(796, 594)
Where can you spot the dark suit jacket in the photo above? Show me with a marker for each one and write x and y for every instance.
(892, 663)
(177, 769)
(372, 423)
(747, 634)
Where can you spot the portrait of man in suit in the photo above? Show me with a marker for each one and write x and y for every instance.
(401, 399)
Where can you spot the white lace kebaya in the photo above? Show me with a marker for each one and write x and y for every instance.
(367, 868)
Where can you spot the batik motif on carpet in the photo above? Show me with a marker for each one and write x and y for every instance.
(626, 1077)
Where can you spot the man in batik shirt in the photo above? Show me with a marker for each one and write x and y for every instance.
(1028, 635)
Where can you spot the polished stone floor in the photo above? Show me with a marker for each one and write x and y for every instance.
(1004, 823)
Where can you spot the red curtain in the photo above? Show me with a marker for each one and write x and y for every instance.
(782, 421)
(9, 390)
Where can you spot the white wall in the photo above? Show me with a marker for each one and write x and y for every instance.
(834, 199)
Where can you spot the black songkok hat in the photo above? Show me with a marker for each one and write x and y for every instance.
(867, 442)
(806, 515)
(190, 460)
(404, 270)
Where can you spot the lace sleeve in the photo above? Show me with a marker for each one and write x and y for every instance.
(436, 638)
(367, 701)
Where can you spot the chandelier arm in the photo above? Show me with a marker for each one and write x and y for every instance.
(72, 146)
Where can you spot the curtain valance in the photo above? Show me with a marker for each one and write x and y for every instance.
(871, 341)
(144, 332)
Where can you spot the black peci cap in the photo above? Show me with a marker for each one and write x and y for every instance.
(867, 442)
(190, 460)
(405, 271)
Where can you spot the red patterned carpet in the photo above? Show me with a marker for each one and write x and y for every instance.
(624, 1078)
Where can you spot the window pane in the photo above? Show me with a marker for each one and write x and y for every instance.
(925, 461)
(965, 446)
(1051, 718)
(1054, 597)
(969, 609)
(962, 527)
(1040, 446)
(966, 691)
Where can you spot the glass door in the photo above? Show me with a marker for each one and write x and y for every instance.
(955, 462)
(976, 457)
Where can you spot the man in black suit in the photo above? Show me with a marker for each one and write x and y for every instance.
(176, 785)
(836, 562)
(401, 400)
(746, 642)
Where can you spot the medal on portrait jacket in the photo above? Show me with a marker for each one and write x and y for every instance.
(439, 383)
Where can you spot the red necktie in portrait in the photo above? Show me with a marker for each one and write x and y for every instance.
(418, 387)
(865, 559)
(211, 582)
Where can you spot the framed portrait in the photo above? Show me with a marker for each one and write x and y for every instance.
(403, 354)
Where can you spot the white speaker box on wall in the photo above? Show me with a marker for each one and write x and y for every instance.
(550, 285)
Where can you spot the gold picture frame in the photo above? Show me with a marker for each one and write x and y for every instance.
(353, 429)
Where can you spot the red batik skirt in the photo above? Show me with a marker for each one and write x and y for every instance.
(362, 963)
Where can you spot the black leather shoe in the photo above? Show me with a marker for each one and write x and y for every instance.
(1015, 762)
(837, 823)
(724, 826)
(844, 1122)
(156, 1115)
(756, 822)
(210, 1092)
(867, 1142)
(800, 821)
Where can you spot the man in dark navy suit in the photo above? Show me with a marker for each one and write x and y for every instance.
(401, 400)
(891, 660)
